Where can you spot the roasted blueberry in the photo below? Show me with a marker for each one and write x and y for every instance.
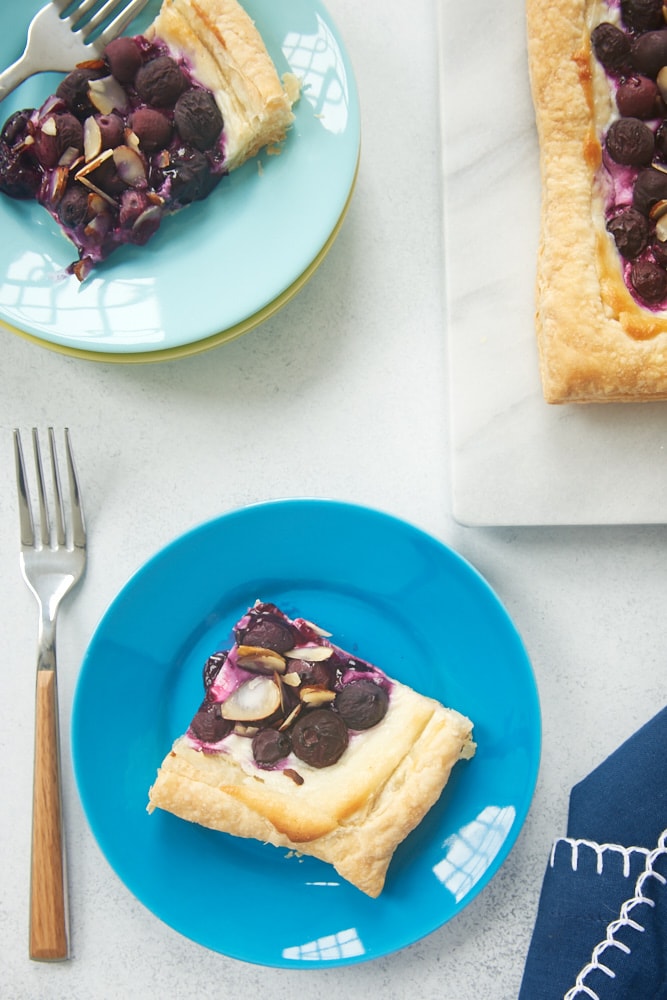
(642, 15)
(152, 127)
(269, 746)
(630, 231)
(649, 188)
(112, 130)
(17, 127)
(268, 632)
(198, 119)
(160, 82)
(649, 280)
(187, 176)
(20, 177)
(611, 46)
(124, 58)
(362, 704)
(630, 142)
(637, 97)
(319, 738)
(649, 53)
(208, 724)
(73, 90)
(73, 206)
(56, 134)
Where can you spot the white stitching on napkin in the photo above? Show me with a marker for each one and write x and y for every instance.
(600, 850)
(624, 920)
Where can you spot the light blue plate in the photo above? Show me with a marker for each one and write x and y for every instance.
(388, 592)
(221, 266)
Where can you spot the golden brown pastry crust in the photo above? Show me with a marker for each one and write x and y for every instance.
(352, 815)
(228, 56)
(596, 343)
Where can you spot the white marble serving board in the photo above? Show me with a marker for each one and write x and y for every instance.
(516, 460)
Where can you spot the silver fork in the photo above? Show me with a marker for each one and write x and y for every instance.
(57, 42)
(53, 557)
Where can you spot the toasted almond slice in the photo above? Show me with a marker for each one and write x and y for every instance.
(92, 138)
(292, 679)
(254, 700)
(311, 654)
(316, 695)
(290, 719)
(260, 660)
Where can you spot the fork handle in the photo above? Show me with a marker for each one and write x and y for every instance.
(15, 74)
(48, 893)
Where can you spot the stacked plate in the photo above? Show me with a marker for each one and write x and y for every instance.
(222, 266)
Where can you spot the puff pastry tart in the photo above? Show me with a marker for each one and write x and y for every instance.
(599, 82)
(302, 745)
(149, 128)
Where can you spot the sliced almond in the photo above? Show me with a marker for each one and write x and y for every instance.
(658, 210)
(130, 167)
(292, 679)
(311, 654)
(49, 126)
(107, 95)
(92, 138)
(286, 723)
(661, 229)
(317, 629)
(260, 660)
(93, 164)
(254, 700)
(316, 695)
(96, 190)
(58, 183)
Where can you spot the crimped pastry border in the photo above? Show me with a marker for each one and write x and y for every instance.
(596, 344)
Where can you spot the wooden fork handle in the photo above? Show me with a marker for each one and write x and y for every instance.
(48, 892)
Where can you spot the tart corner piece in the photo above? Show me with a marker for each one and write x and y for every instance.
(220, 40)
(598, 341)
(351, 808)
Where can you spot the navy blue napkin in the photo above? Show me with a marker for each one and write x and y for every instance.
(601, 927)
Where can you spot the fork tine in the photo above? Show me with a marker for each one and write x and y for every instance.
(44, 524)
(27, 528)
(78, 522)
(57, 493)
(75, 16)
(121, 21)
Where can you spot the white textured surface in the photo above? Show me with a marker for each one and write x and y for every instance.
(516, 460)
(343, 394)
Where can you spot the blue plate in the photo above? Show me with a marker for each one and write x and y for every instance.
(221, 266)
(388, 592)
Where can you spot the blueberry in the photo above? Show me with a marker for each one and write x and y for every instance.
(208, 724)
(637, 97)
(17, 127)
(641, 15)
(198, 118)
(188, 175)
(630, 231)
(269, 746)
(611, 46)
(649, 281)
(650, 187)
(112, 130)
(268, 632)
(160, 82)
(73, 90)
(214, 663)
(319, 737)
(649, 53)
(630, 142)
(124, 58)
(362, 704)
(20, 176)
(73, 206)
(152, 127)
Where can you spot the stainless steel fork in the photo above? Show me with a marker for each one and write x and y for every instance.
(58, 40)
(52, 558)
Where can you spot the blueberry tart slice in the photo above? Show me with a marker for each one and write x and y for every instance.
(148, 128)
(302, 745)
(599, 81)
